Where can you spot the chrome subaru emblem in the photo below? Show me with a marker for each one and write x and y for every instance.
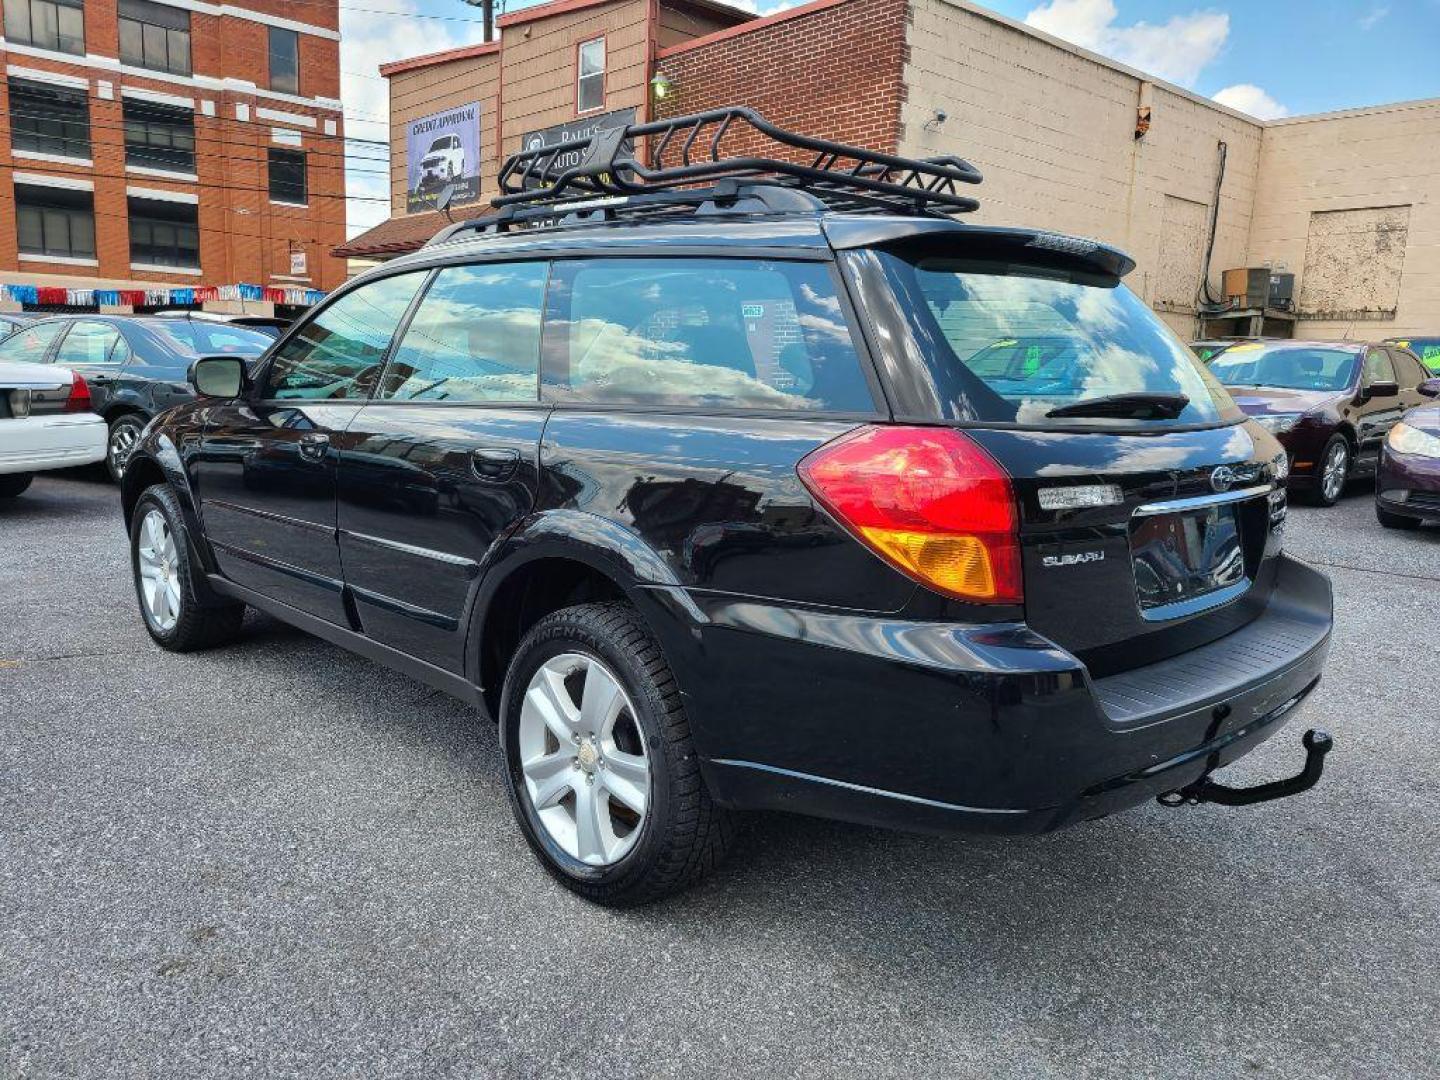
(1223, 478)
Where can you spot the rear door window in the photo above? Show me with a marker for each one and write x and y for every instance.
(701, 333)
(88, 344)
(475, 336)
(340, 352)
(1408, 370)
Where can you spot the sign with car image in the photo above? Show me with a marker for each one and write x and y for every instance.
(443, 149)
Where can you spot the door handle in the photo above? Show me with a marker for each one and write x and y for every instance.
(314, 446)
(496, 466)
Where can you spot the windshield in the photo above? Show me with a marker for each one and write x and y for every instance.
(1018, 343)
(1427, 348)
(1206, 350)
(1286, 367)
(212, 339)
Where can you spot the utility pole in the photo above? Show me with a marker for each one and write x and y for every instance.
(487, 16)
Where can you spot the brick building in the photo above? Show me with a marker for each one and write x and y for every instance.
(152, 145)
(1067, 140)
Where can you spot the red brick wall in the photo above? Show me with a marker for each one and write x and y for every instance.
(243, 237)
(834, 70)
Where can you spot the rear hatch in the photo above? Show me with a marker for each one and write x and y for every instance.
(1136, 548)
(1150, 514)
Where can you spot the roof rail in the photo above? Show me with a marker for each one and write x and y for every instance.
(608, 178)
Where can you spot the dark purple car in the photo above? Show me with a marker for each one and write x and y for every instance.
(1407, 484)
(1330, 404)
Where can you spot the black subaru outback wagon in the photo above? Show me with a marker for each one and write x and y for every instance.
(733, 483)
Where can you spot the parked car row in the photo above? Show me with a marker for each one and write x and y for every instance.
(133, 366)
(1344, 410)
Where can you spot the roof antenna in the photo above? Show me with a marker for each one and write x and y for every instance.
(443, 201)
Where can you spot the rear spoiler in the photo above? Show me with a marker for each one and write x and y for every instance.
(847, 233)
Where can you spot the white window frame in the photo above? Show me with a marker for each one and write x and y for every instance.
(581, 78)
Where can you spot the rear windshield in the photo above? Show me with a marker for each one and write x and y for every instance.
(1286, 367)
(213, 339)
(1427, 348)
(1016, 343)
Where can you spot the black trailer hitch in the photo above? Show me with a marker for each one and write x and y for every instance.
(1317, 744)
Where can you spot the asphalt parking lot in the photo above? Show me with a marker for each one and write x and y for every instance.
(278, 859)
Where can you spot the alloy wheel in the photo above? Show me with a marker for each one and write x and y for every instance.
(123, 437)
(583, 759)
(159, 569)
(1332, 478)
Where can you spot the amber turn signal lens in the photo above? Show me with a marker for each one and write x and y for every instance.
(959, 565)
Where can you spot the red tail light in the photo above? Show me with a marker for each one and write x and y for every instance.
(79, 400)
(927, 500)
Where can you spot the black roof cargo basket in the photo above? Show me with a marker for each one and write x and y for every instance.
(602, 174)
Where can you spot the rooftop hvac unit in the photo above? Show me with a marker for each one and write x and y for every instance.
(1282, 291)
(1259, 287)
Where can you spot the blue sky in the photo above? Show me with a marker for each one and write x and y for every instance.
(1265, 57)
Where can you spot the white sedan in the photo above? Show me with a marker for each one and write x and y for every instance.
(45, 423)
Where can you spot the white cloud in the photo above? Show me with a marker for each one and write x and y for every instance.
(1177, 49)
(1373, 16)
(367, 40)
(770, 7)
(1250, 99)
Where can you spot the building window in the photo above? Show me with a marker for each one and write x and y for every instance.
(47, 24)
(155, 36)
(159, 136)
(56, 222)
(590, 84)
(284, 60)
(47, 119)
(164, 233)
(287, 176)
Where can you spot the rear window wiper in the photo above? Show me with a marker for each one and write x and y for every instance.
(1127, 407)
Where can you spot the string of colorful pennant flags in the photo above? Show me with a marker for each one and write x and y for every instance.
(48, 295)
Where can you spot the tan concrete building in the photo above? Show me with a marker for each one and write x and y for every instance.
(1067, 139)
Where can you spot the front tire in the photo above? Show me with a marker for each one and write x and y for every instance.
(124, 434)
(15, 484)
(602, 774)
(1332, 471)
(165, 582)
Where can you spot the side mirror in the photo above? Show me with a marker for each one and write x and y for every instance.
(1430, 388)
(219, 376)
(1380, 389)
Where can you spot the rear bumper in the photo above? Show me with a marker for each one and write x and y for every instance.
(39, 443)
(990, 729)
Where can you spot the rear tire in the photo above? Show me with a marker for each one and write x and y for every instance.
(1396, 521)
(124, 434)
(546, 717)
(13, 484)
(165, 580)
(1332, 471)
